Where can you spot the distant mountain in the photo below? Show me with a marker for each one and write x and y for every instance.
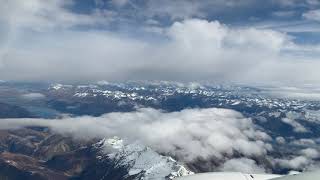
(13, 111)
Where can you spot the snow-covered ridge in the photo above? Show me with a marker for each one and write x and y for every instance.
(141, 159)
(59, 86)
(232, 96)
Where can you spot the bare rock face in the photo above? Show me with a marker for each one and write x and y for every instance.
(55, 145)
(17, 166)
(22, 141)
(74, 162)
(35, 153)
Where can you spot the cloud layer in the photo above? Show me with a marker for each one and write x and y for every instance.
(49, 41)
(193, 136)
(188, 135)
(192, 50)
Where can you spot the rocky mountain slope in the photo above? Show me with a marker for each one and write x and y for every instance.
(33, 153)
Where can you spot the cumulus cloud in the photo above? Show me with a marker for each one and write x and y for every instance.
(187, 135)
(302, 161)
(304, 142)
(242, 165)
(297, 127)
(310, 153)
(280, 140)
(296, 163)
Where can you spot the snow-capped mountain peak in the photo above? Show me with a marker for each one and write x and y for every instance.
(141, 160)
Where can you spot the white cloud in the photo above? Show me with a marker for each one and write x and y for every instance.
(310, 153)
(243, 165)
(312, 15)
(41, 15)
(302, 161)
(192, 49)
(280, 140)
(187, 135)
(304, 142)
(33, 96)
(296, 163)
(209, 49)
(302, 91)
(297, 127)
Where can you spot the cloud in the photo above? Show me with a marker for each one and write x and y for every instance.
(187, 135)
(224, 136)
(243, 165)
(65, 48)
(304, 142)
(297, 127)
(296, 163)
(280, 140)
(305, 158)
(40, 15)
(310, 153)
(33, 96)
(302, 161)
(210, 50)
(312, 15)
(303, 92)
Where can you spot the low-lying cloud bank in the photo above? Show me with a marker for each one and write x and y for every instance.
(189, 135)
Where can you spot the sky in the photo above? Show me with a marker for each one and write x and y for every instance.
(247, 41)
